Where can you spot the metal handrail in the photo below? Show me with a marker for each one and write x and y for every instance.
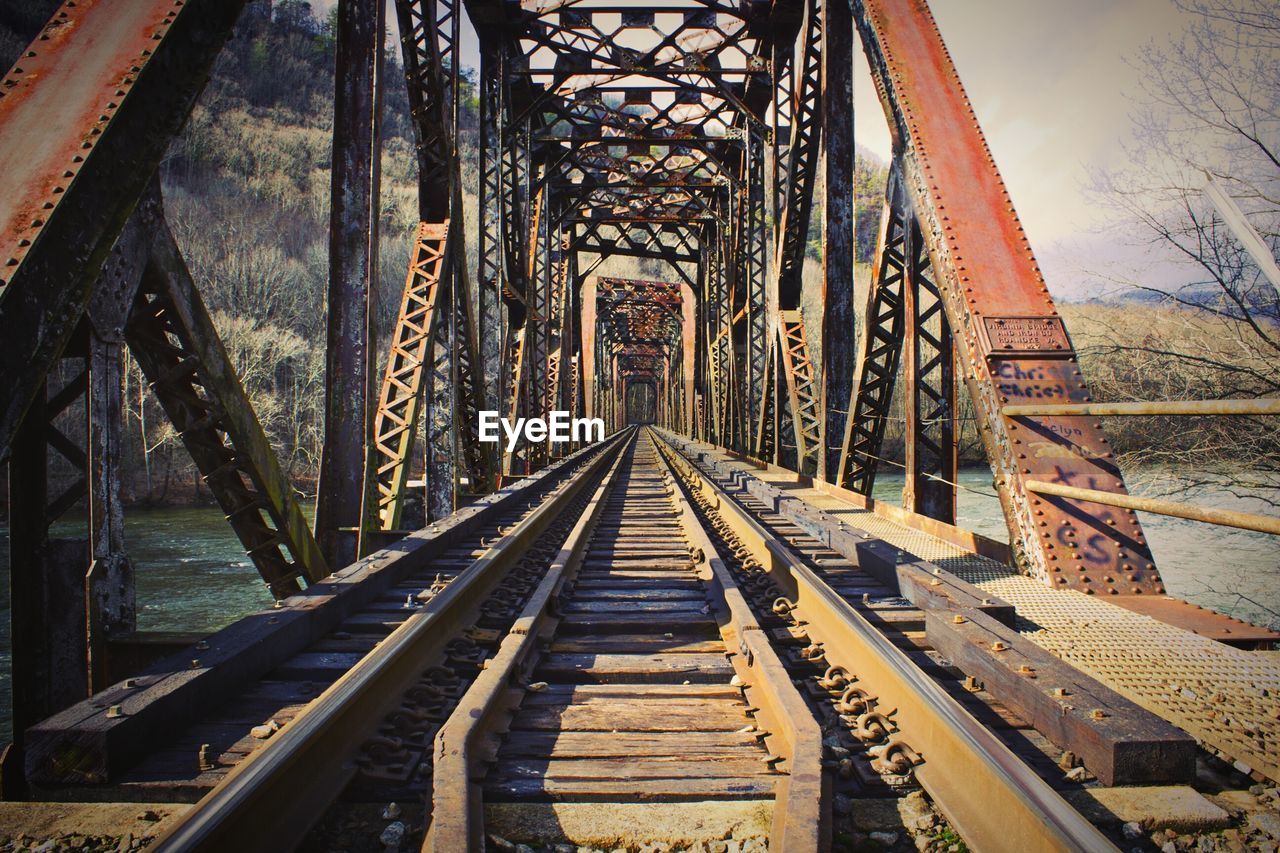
(1223, 517)
(1231, 408)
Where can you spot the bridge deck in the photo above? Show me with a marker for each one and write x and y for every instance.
(1225, 697)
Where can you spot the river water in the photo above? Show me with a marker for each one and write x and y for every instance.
(192, 574)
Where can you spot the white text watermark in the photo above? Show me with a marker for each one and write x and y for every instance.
(558, 428)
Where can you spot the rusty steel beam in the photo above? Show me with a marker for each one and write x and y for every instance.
(442, 415)
(802, 391)
(839, 353)
(345, 505)
(1010, 338)
(765, 429)
(753, 252)
(400, 400)
(493, 276)
(86, 115)
(806, 115)
(178, 348)
(880, 346)
(111, 605)
(452, 372)
(930, 384)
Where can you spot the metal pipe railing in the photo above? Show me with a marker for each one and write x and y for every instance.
(1224, 517)
(1163, 407)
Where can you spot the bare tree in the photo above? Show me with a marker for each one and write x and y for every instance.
(1209, 109)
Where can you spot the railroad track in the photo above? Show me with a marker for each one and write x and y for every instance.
(125, 738)
(883, 712)
(664, 658)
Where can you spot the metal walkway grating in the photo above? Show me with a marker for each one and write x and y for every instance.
(1227, 698)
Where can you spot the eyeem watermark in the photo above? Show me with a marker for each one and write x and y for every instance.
(559, 428)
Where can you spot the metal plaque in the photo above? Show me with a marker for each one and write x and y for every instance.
(1026, 336)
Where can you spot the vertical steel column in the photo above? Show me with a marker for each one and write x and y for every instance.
(783, 81)
(766, 428)
(757, 276)
(880, 347)
(704, 375)
(802, 158)
(28, 539)
(344, 507)
(47, 575)
(720, 339)
(689, 302)
(930, 388)
(490, 251)
(443, 411)
(590, 348)
(109, 586)
(838, 316)
(110, 592)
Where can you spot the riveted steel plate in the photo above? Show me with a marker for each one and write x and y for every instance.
(1034, 336)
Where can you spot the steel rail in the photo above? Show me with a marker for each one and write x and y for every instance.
(965, 768)
(1231, 408)
(457, 813)
(800, 810)
(801, 815)
(270, 800)
(1209, 515)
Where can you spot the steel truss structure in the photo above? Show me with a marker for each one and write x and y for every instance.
(693, 135)
(688, 135)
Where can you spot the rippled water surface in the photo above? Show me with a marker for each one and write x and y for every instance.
(193, 574)
(1236, 572)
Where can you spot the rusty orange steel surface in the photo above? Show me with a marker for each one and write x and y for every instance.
(56, 102)
(1011, 340)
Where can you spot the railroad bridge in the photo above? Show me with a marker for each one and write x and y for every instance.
(702, 623)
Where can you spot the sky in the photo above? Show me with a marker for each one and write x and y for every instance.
(1052, 87)
(1051, 84)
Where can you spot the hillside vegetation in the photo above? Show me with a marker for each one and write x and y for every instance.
(247, 189)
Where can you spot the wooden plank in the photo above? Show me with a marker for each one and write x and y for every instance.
(626, 595)
(626, 580)
(345, 641)
(373, 623)
(665, 790)
(311, 664)
(669, 608)
(655, 668)
(1128, 745)
(615, 643)
(633, 624)
(633, 717)
(745, 764)
(584, 693)
(283, 692)
(623, 744)
(662, 565)
(646, 575)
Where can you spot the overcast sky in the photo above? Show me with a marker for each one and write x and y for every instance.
(1051, 84)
